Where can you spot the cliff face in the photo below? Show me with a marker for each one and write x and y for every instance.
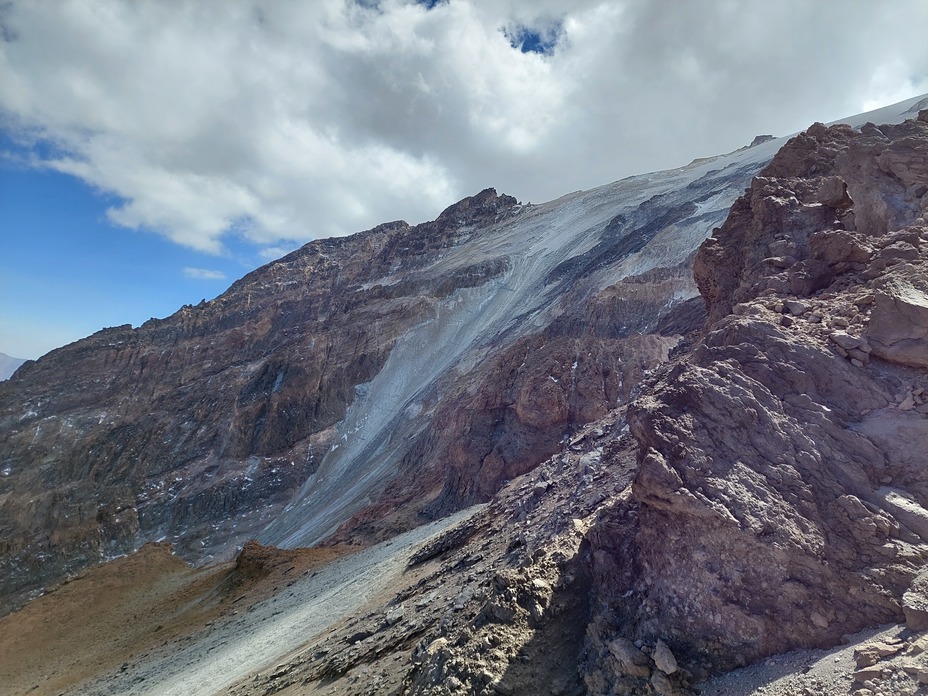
(198, 427)
(357, 385)
(781, 499)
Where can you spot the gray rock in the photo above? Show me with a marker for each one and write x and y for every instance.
(661, 684)
(845, 340)
(663, 658)
(915, 603)
(898, 329)
(395, 615)
(632, 662)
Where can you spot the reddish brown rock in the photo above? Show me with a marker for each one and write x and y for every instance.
(782, 498)
(200, 426)
(358, 383)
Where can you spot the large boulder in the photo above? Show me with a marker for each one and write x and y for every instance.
(898, 328)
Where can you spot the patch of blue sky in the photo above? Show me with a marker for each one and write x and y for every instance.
(541, 39)
(94, 273)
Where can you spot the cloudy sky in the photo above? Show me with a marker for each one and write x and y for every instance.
(153, 151)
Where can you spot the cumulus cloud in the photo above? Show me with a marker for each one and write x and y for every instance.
(282, 122)
(203, 274)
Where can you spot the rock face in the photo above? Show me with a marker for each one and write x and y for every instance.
(898, 329)
(782, 495)
(357, 384)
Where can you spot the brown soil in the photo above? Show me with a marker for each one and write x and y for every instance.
(123, 609)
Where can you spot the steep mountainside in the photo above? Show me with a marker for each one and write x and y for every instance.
(781, 498)
(359, 385)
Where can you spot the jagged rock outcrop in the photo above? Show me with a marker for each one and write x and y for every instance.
(765, 489)
(511, 412)
(782, 496)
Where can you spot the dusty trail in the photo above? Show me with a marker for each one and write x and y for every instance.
(241, 645)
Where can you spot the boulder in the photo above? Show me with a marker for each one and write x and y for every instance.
(898, 329)
(915, 603)
(631, 661)
(663, 658)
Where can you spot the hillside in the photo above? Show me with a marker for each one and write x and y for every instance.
(358, 386)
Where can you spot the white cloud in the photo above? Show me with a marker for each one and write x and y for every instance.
(203, 274)
(281, 122)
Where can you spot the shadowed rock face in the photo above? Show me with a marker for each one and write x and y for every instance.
(357, 384)
(782, 495)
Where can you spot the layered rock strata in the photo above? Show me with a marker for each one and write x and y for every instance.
(201, 426)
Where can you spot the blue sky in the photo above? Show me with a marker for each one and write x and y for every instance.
(152, 153)
(65, 271)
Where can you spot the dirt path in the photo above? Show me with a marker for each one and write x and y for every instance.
(239, 645)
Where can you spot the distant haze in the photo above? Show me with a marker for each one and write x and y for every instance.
(8, 365)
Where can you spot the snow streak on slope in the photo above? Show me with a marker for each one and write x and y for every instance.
(387, 416)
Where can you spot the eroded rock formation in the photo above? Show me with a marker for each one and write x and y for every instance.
(201, 426)
(764, 489)
(782, 494)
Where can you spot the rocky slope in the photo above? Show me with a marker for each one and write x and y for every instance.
(780, 500)
(358, 386)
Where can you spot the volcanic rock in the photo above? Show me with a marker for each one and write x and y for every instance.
(898, 329)
(663, 658)
(765, 490)
(915, 603)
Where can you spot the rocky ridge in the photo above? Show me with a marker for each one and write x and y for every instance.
(780, 497)
(763, 491)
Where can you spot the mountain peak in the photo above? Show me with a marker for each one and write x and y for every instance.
(484, 207)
